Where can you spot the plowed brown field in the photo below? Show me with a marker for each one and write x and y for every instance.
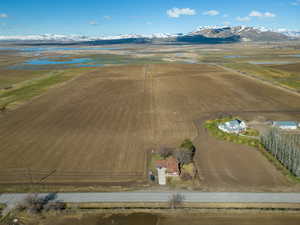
(98, 128)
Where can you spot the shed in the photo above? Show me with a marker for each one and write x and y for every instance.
(286, 125)
(161, 172)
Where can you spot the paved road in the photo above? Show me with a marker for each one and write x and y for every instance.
(198, 197)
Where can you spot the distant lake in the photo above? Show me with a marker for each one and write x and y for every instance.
(191, 61)
(51, 62)
(269, 63)
(233, 56)
(41, 49)
(180, 54)
(296, 55)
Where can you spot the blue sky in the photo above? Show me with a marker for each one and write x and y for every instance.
(100, 17)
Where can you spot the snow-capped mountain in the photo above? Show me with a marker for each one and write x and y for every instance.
(245, 33)
(205, 34)
(289, 33)
(46, 37)
(70, 38)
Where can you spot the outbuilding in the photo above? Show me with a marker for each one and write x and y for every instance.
(161, 173)
(285, 125)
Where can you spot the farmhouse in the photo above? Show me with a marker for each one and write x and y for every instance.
(166, 168)
(286, 125)
(234, 126)
(170, 164)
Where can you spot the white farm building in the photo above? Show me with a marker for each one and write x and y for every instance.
(286, 125)
(234, 126)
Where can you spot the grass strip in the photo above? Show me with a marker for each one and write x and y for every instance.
(35, 87)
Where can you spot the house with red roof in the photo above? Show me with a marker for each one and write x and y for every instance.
(171, 165)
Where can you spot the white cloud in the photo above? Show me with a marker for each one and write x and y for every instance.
(243, 19)
(226, 23)
(94, 23)
(3, 15)
(282, 30)
(107, 17)
(176, 12)
(211, 13)
(255, 14)
(261, 15)
(268, 14)
(296, 3)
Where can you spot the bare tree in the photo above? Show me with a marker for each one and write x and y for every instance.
(165, 152)
(32, 203)
(285, 147)
(176, 200)
(183, 157)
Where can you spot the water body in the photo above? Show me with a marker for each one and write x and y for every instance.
(269, 63)
(191, 61)
(52, 62)
(89, 65)
(296, 55)
(43, 49)
(233, 56)
(180, 54)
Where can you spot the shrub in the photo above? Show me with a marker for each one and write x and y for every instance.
(186, 176)
(188, 144)
(56, 206)
(36, 204)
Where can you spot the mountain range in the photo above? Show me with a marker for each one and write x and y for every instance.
(202, 35)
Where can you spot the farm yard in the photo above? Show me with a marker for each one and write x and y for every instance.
(99, 127)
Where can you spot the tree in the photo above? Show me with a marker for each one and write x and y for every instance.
(165, 152)
(183, 157)
(176, 200)
(188, 145)
(285, 147)
(34, 203)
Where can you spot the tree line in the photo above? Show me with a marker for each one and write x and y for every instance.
(285, 147)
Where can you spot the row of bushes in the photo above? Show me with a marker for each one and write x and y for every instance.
(37, 204)
(284, 147)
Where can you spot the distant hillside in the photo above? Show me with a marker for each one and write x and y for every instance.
(203, 35)
(242, 33)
